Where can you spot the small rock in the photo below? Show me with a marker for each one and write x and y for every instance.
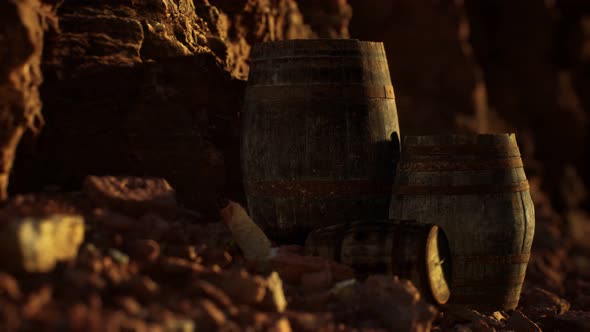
(463, 315)
(314, 281)
(274, 299)
(242, 287)
(573, 321)
(201, 287)
(9, 287)
(537, 303)
(215, 256)
(10, 317)
(292, 267)
(179, 325)
(36, 300)
(130, 305)
(36, 243)
(118, 256)
(346, 291)
(178, 267)
(132, 195)
(209, 317)
(249, 237)
(187, 252)
(280, 325)
(143, 287)
(309, 322)
(521, 323)
(145, 251)
(83, 281)
(397, 304)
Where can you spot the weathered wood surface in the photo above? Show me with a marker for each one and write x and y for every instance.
(318, 124)
(410, 250)
(475, 188)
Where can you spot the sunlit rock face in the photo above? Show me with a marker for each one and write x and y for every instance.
(149, 88)
(22, 24)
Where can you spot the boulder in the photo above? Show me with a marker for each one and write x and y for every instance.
(36, 243)
(22, 27)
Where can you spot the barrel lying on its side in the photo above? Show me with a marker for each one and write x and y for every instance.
(475, 188)
(317, 131)
(410, 250)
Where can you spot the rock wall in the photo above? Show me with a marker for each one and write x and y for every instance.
(155, 87)
(328, 19)
(525, 49)
(437, 82)
(22, 24)
(492, 66)
(149, 88)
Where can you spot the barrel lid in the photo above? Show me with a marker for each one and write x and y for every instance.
(315, 48)
(458, 139)
(438, 264)
(490, 145)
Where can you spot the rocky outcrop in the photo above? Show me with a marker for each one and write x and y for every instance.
(437, 84)
(531, 53)
(328, 19)
(149, 88)
(247, 22)
(22, 25)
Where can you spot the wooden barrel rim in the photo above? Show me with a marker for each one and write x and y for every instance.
(460, 165)
(489, 150)
(315, 47)
(318, 188)
(461, 190)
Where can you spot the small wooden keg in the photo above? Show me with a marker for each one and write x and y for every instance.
(319, 135)
(475, 188)
(410, 250)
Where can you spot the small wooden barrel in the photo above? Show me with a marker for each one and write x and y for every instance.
(410, 250)
(319, 135)
(475, 188)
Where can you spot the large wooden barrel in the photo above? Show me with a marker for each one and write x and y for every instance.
(475, 188)
(320, 133)
(410, 250)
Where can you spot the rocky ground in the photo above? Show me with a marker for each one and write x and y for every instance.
(147, 264)
(154, 89)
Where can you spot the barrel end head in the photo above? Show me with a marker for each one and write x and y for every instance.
(438, 265)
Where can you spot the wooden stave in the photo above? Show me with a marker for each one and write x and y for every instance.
(504, 296)
(372, 102)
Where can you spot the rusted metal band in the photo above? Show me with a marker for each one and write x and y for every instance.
(353, 91)
(461, 190)
(490, 259)
(490, 150)
(459, 165)
(307, 189)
